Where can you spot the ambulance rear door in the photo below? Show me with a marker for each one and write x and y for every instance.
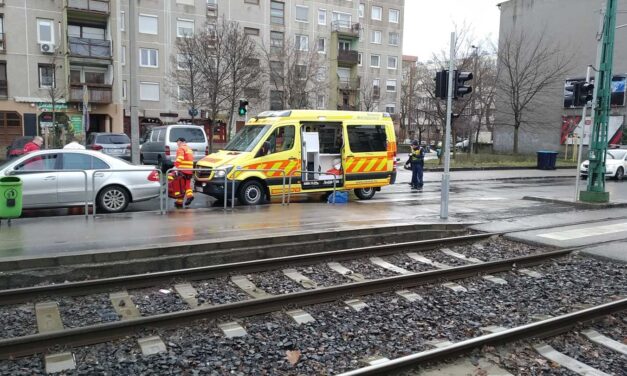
(365, 157)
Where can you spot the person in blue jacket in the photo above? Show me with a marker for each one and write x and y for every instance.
(417, 161)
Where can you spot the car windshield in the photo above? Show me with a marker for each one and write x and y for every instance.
(113, 139)
(247, 138)
(616, 154)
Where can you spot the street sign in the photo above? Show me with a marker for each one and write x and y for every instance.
(193, 112)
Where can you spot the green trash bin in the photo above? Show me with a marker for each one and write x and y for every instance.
(10, 197)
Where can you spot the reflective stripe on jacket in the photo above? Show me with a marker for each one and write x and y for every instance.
(416, 156)
(184, 159)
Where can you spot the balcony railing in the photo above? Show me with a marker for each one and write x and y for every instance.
(90, 5)
(348, 57)
(97, 93)
(3, 43)
(351, 84)
(212, 9)
(346, 28)
(84, 47)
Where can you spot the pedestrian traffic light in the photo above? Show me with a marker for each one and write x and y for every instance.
(586, 94)
(460, 87)
(242, 107)
(441, 84)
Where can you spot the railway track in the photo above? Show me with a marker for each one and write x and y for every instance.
(409, 272)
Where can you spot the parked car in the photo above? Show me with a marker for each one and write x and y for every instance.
(113, 144)
(615, 164)
(160, 145)
(55, 186)
(17, 146)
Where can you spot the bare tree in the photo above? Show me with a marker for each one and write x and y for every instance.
(186, 83)
(409, 99)
(244, 64)
(296, 70)
(369, 94)
(529, 66)
(55, 94)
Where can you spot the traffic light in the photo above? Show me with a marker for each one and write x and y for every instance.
(441, 84)
(586, 93)
(242, 110)
(460, 88)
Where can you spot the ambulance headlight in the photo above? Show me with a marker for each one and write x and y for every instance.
(223, 171)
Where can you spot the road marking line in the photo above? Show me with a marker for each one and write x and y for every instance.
(586, 232)
(567, 362)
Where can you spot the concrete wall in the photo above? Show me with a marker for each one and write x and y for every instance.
(570, 26)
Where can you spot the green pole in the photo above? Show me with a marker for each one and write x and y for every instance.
(603, 87)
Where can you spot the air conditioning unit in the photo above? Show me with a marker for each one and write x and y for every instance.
(46, 48)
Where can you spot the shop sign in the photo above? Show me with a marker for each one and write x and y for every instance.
(48, 106)
(77, 123)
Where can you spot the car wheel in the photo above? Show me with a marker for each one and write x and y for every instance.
(620, 174)
(113, 199)
(251, 193)
(364, 193)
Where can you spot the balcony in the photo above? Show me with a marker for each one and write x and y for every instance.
(349, 85)
(212, 8)
(346, 28)
(3, 43)
(346, 107)
(99, 94)
(96, 48)
(348, 57)
(100, 6)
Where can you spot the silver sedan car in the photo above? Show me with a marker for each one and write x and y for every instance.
(50, 178)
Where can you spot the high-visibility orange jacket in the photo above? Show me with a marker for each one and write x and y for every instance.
(184, 159)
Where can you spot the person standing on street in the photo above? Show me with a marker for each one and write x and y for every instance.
(34, 145)
(417, 161)
(184, 161)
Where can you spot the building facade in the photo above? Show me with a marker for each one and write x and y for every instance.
(571, 26)
(50, 52)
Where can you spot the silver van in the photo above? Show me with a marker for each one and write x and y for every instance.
(159, 147)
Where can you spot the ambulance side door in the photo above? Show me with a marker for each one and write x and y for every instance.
(365, 153)
(278, 152)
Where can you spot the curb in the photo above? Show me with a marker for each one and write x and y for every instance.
(440, 169)
(578, 204)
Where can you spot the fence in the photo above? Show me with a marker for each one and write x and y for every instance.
(246, 170)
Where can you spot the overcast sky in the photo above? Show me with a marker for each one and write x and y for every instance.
(428, 23)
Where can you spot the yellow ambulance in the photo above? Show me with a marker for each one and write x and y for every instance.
(353, 150)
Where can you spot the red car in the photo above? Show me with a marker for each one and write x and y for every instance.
(17, 146)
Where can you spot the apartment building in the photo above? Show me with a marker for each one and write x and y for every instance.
(50, 51)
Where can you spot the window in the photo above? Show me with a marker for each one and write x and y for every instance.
(76, 161)
(4, 92)
(342, 19)
(376, 13)
(251, 31)
(375, 36)
(390, 85)
(362, 10)
(394, 39)
(276, 100)
(276, 42)
(80, 31)
(45, 31)
(182, 62)
(322, 45)
(184, 28)
(390, 108)
(344, 45)
(122, 20)
(282, 139)
(277, 12)
(392, 62)
(149, 91)
(302, 42)
(123, 55)
(320, 102)
(276, 72)
(359, 59)
(250, 62)
(256, 2)
(322, 16)
(183, 93)
(124, 89)
(301, 71)
(46, 76)
(302, 13)
(394, 15)
(39, 163)
(376, 87)
(190, 134)
(148, 24)
(148, 57)
(375, 61)
(185, 2)
(367, 138)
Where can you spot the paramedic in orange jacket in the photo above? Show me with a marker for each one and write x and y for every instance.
(184, 160)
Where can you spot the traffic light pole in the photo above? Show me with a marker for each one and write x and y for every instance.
(446, 176)
(603, 92)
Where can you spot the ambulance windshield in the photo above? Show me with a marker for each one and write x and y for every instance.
(247, 138)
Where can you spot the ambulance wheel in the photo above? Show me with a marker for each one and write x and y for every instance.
(365, 193)
(251, 193)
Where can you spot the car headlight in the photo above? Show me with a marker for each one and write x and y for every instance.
(221, 173)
